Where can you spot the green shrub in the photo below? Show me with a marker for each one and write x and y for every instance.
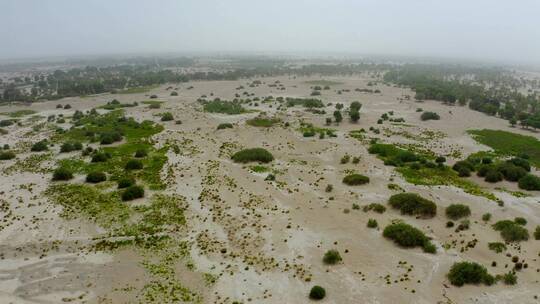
(430, 116)
(132, 192)
(317, 293)
(509, 278)
(537, 233)
(6, 155)
(407, 236)
(167, 116)
(511, 231)
(225, 107)
(520, 221)
(96, 177)
(224, 126)
(498, 247)
(62, 174)
(413, 204)
(264, 122)
(134, 164)
(125, 182)
(379, 208)
(355, 179)
(493, 176)
(100, 157)
(469, 273)
(253, 155)
(486, 217)
(6, 122)
(332, 257)
(70, 146)
(141, 153)
(529, 182)
(457, 211)
(372, 223)
(39, 146)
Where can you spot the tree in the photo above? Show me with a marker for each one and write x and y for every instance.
(337, 116)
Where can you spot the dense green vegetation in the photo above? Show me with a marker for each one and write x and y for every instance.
(253, 155)
(511, 231)
(429, 116)
(408, 236)
(262, 121)
(332, 257)
(457, 211)
(413, 204)
(317, 293)
(469, 273)
(509, 144)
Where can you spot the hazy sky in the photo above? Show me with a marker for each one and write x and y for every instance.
(478, 29)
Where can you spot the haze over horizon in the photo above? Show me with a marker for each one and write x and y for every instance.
(484, 30)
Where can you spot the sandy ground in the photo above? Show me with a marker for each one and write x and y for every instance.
(265, 240)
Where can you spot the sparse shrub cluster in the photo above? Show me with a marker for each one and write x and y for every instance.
(379, 208)
(40, 146)
(511, 231)
(167, 116)
(413, 204)
(253, 155)
(225, 125)
(222, 106)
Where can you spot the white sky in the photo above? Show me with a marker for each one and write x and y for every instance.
(475, 29)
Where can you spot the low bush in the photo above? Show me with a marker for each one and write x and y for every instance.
(132, 192)
(134, 164)
(498, 247)
(379, 208)
(372, 223)
(100, 157)
(469, 273)
(253, 155)
(125, 182)
(62, 174)
(224, 126)
(529, 182)
(167, 116)
(96, 177)
(7, 155)
(413, 204)
(509, 278)
(430, 116)
(140, 153)
(457, 211)
(317, 293)
(332, 257)
(39, 146)
(355, 179)
(537, 233)
(408, 236)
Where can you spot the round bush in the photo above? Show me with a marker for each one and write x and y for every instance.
(413, 204)
(167, 116)
(317, 293)
(355, 179)
(332, 257)
(62, 174)
(469, 273)
(134, 164)
(125, 182)
(100, 157)
(407, 236)
(253, 155)
(493, 176)
(132, 192)
(529, 182)
(96, 177)
(430, 116)
(457, 211)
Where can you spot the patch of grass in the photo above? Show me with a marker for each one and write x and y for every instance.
(19, 113)
(259, 169)
(138, 90)
(264, 122)
(224, 107)
(509, 144)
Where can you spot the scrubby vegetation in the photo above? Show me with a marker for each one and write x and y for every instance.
(96, 177)
(262, 121)
(457, 211)
(62, 174)
(408, 236)
(413, 204)
(222, 106)
(469, 273)
(225, 125)
(430, 116)
(355, 179)
(132, 192)
(253, 155)
(511, 231)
